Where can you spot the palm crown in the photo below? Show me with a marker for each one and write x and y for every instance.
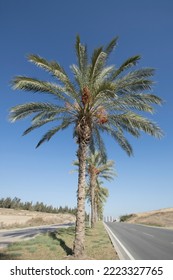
(101, 98)
(102, 169)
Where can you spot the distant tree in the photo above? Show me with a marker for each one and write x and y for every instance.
(7, 202)
(16, 203)
(27, 206)
(2, 203)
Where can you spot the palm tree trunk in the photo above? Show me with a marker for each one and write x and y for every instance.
(92, 188)
(96, 212)
(78, 248)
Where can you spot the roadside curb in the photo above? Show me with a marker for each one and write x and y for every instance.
(122, 252)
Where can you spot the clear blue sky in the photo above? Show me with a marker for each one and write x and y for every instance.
(48, 28)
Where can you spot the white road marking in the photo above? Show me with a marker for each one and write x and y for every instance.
(119, 242)
(147, 234)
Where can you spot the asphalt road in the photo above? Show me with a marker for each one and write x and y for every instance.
(142, 242)
(13, 235)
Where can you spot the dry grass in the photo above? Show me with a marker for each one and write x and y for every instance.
(162, 218)
(10, 218)
(58, 246)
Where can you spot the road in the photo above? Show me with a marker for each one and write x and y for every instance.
(141, 242)
(13, 235)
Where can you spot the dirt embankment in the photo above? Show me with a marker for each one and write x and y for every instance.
(162, 217)
(10, 218)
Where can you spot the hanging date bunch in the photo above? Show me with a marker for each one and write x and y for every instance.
(102, 115)
(86, 96)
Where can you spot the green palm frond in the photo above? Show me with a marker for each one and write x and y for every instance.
(37, 125)
(107, 172)
(135, 120)
(105, 169)
(21, 111)
(35, 85)
(78, 76)
(81, 52)
(122, 141)
(124, 86)
(41, 62)
(119, 137)
(52, 67)
(130, 62)
(111, 46)
(101, 194)
(103, 75)
(44, 115)
(105, 90)
(99, 143)
(53, 131)
(98, 61)
(141, 102)
(57, 71)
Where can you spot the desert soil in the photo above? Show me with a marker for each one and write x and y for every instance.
(162, 217)
(10, 218)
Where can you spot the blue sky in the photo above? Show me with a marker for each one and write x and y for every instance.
(48, 28)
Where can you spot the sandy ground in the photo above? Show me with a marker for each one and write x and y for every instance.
(10, 218)
(162, 217)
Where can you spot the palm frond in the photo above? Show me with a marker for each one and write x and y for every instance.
(40, 62)
(123, 142)
(134, 120)
(132, 86)
(103, 75)
(132, 61)
(35, 85)
(81, 52)
(57, 71)
(136, 101)
(117, 125)
(99, 143)
(52, 67)
(44, 115)
(37, 125)
(21, 111)
(78, 75)
(97, 62)
(118, 136)
(135, 81)
(111, 46)
(53, 131)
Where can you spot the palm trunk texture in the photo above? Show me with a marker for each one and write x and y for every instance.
(80, 216)
(92, 186)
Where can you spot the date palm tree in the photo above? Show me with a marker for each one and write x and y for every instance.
(101, 194)
(97, 169)
(101, 98)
